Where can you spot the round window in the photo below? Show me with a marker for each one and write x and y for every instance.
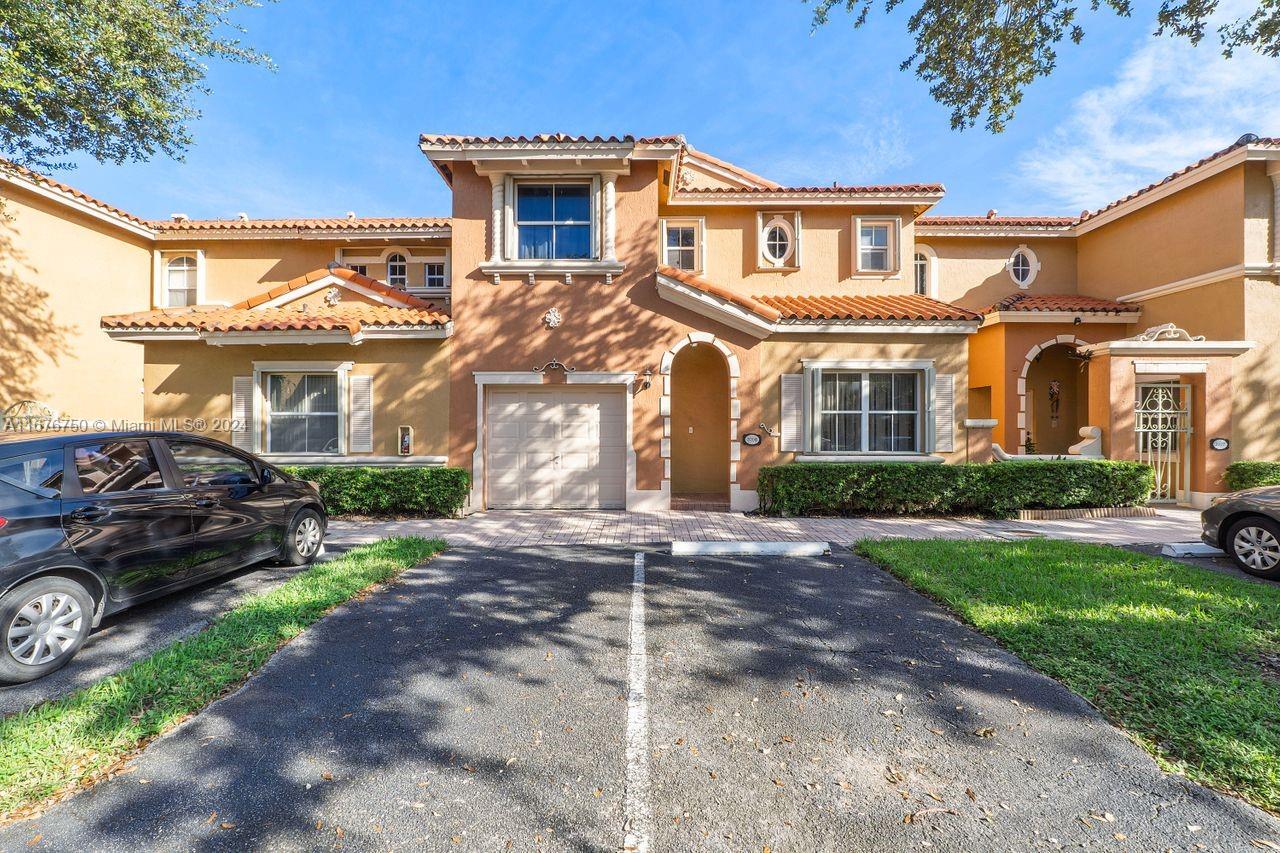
(1023, 266)
(777, 242)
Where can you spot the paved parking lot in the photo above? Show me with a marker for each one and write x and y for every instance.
(511, 699)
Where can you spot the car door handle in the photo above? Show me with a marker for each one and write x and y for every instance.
(89, 514)
(206, 503)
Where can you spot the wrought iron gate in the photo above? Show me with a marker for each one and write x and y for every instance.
(1162, 419)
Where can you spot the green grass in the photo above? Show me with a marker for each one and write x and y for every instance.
(1186, 660)
(69, 742)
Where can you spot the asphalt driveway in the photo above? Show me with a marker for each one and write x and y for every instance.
(488, 700)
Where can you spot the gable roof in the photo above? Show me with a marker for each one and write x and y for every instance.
(262, 313)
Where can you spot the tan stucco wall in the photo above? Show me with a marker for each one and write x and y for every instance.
(826, 249)
(1256, 428)
(238, 269)
(1192, 232)
(1259, 204)
(699, 422)
(410, 384)
(971, 271)
(60, 271)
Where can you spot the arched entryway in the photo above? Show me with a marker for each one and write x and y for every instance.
(700, 427)
(724, 408)
(1055, 400)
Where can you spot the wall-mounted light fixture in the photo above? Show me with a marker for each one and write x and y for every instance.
(648, 380)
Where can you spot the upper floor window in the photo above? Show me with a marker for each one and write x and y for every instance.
(1023, 266)
(180, 282)
(778, 239)
(553, 221)
(358, 269)
(682, 244)
(433, 275)
(921, 264)
(397, 271)
(877, 245)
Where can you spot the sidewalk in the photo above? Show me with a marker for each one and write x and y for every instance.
(513, 529)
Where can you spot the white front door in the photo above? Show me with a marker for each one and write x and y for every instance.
(558, 446)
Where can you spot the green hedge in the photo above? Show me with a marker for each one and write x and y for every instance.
(402, 490)
(1246, 475)
(998, 489)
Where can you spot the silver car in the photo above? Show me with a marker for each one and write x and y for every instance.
(1246, 525)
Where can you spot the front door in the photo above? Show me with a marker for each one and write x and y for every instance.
(1162, 419)
(123, 519)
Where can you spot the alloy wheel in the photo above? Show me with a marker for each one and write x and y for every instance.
(44, 629)
(1257, 548)
(306, 539)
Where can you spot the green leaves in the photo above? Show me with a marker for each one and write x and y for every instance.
(112, 78)
(1000, 489)
(403, 490)
(978, 56)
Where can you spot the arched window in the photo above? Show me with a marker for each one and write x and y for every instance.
(922, 273)
(397, 271)
(1023, 266)
(180, 282)
(777, 242)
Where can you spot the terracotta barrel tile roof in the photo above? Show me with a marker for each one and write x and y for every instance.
(407, 299)
(906, 307)
(1000, 221)
(45, 180)
(1062, 302)
(755, 306)
(450, 139)
(330, 224)
(869, 189)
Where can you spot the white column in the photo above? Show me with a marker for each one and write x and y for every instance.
(495, 218)
(610, 226)
(1273, 169)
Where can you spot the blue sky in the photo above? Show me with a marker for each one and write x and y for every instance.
(334, 128)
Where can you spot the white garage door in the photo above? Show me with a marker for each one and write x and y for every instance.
(556, 447)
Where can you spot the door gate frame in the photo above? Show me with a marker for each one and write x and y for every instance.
(1162, 426)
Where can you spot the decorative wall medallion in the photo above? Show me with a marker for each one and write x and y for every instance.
(552, 318)
(332, 296)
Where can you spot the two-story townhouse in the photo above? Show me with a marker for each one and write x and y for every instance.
(633, 323)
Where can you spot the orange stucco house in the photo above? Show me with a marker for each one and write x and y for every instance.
(633, 323)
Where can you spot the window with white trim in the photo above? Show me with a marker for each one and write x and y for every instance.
(553, 221)
(866, 411)
(778, 243)
(303, 412)
(397, 271)
(876, 247)
(433, 275)
(181, 276)
(1023, 266)
(682, 244)
(921, 265)
(359, 269)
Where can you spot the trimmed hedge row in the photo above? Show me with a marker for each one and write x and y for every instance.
(997, 489)
(350, 490)
(1246, 475)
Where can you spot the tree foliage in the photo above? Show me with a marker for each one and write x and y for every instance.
(112, 78)
(979, 55)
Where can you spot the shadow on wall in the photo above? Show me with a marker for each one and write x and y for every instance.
(30, 336)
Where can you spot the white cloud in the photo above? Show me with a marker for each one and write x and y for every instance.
(1169, 105)
(856, 153)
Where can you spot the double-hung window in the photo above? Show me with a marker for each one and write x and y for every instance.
(877, 245)
(553, 221)
(180, 281)
(433, 275)
(862, 411)
(397, 271)
(682, 244)
(303, 413)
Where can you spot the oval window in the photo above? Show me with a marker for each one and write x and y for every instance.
(1023, 266)
(778, 242)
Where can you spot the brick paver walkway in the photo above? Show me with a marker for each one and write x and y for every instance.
(510, 529)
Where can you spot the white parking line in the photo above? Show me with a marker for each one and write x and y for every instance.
(636, 796)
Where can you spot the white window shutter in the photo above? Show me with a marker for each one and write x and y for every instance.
(792, 422)
(361, 414)
(944, 412)
(242, 412)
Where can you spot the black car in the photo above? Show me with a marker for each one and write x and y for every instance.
(1246, 525)
(93, 523)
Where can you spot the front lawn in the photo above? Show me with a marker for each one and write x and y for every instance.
(70, 742)
(1186, 660)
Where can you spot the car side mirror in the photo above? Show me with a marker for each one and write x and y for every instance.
(268, 477)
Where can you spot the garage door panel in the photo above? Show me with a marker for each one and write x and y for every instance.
(556, 447)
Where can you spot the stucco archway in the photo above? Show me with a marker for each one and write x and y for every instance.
(1068, 340)
(734, 413)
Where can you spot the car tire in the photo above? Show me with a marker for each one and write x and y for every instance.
(1253, 544)
(304, 538)
(32, 645)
